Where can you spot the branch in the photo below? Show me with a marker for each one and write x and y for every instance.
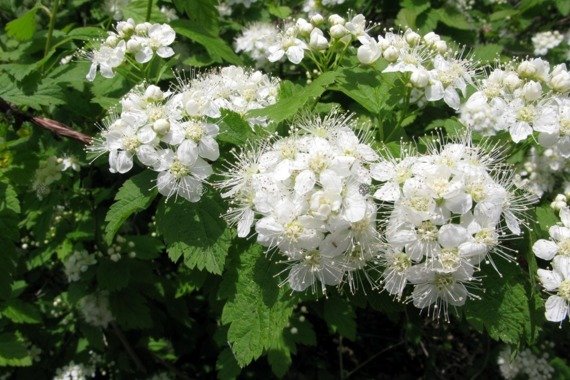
(52, 125)
(130, 350)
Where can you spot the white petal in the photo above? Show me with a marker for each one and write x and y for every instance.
(305, 182)
(556, 309)
(389, 192)
(550, 280)
(545, 249)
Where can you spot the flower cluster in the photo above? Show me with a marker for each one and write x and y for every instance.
(544, 41)
(521, 100)
(557, 280)
(142, 41)
(307, 195)
(435, 71)
(317, 38)
(525, 363)
(78, 263)
(539, 172)
(74, 371)
(255, 41)
(95, 309)
(448, 205)
(174, 134)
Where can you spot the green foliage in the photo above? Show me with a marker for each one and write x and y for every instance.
(288, 106)
(195, 232)
(24, 27)
(257, 309)
(135, 195)
(13, 351)
(340, 316)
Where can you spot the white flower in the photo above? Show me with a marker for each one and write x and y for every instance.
(560, 239)
(557, 280)
(182, 172)
(256, 39)
(544, 41)
(78, 263)
(288, 45)
(94, 308)
(106, 59)
(158, 39)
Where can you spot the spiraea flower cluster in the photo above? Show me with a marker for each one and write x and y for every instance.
(174, 133)
(434, 70)
(323, 40)
(539, 173)
(544, 41)
(556, 282)
(140, 41)
(522, 99)
(306, 195)
(77, 264)
(451, 207)
(255, 41)
(525, 365)
(94, 309)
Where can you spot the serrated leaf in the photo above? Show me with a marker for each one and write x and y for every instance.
(19, 311)
(136, 9)
(234, 129)
(279, 357)
(196, 232)
(257, 309)
(340, 316)
(113, 275)
(505, 310)
(288, 107)
(216, 47)
(226, 365)
(130, 310)
(279, 11)
(135, 195)
(24, 27)
(13, 351)
(454, 19)
(145, 247)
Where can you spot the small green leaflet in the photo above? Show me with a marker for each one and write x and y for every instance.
(195, 232)
(24, 27)
(135, 195)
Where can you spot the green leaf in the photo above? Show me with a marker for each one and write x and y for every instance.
(288, 107)
(257, 309)
(234, 129)
(279, 357)
(135, 195)
(366, 86)
(454, 19)
(113, 275)
(130, 310)
(487, 53)
(505, 310)
(202, 14)
(226, 365)
(196, 232)
(216, 47)
(340, 317)
(563, 6)
(19, 311)
(279, 11)
(13, 351)
(136, 9)
(24, 27)
(145, 247)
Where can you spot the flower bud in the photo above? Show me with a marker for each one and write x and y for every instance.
(317, 19)
(133, 45)
(368, 54)
(153, 93)
(142, 29)
(561, 82)
(338, 31)
(336, 20)
(391, 54)
(419, 78)
(526, 69)
(512, 81)
(412, 38)
(317, 40)
(112, 40)
(303, 26)
(532, 91)
(431, 38)
(161, 126)
(441, 46)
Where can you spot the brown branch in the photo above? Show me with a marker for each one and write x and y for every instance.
(130, 350)
(56, 127)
